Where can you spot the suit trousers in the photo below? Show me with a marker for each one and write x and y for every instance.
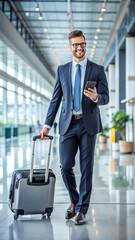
(77, 137)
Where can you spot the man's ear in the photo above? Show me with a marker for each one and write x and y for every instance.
(69, 47)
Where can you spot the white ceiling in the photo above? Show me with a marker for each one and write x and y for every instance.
(82, 15)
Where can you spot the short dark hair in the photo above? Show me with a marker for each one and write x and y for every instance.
(76, 33)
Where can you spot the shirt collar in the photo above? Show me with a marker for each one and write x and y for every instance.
(82, 63)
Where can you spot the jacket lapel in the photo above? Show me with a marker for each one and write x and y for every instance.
(70, 77)
(88, 72)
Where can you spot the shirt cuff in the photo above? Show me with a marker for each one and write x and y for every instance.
(47, 126)
(95, 100)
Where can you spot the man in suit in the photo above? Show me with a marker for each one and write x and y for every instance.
(79, 121)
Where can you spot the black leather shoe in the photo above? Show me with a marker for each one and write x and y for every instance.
(80, 219)
(70, 213)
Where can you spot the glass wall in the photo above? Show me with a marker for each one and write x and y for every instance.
(21, 103)
(34, 105)
(17, 104)
(13, 65)
(1, 101)
(27, 108)
(10, 103)
(1, 104)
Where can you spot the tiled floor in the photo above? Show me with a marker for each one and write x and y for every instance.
(111, 215)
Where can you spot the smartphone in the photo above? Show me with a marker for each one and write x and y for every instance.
(90, 84)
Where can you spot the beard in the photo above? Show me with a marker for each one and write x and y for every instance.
(81, 56)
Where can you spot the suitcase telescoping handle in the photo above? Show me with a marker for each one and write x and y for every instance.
(48, 160)
(38, 137)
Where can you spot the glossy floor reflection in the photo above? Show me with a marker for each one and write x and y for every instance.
(112, 210)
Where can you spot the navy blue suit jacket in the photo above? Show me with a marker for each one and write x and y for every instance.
(63, 91)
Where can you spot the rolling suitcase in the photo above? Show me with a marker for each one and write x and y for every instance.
(32, 191)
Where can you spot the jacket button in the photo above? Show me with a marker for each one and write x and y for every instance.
(71, 110)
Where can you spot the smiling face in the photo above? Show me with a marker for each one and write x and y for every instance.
(78, 51)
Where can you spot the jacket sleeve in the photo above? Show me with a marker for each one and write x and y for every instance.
(55, 102)
(102, 88)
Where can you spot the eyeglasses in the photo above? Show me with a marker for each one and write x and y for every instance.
(76, 45)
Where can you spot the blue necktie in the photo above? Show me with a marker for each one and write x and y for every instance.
(77, 89)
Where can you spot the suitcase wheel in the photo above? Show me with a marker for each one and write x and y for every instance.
(16, 216)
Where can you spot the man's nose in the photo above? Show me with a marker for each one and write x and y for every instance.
(79, 47)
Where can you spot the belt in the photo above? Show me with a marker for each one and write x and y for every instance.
(79, 116)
